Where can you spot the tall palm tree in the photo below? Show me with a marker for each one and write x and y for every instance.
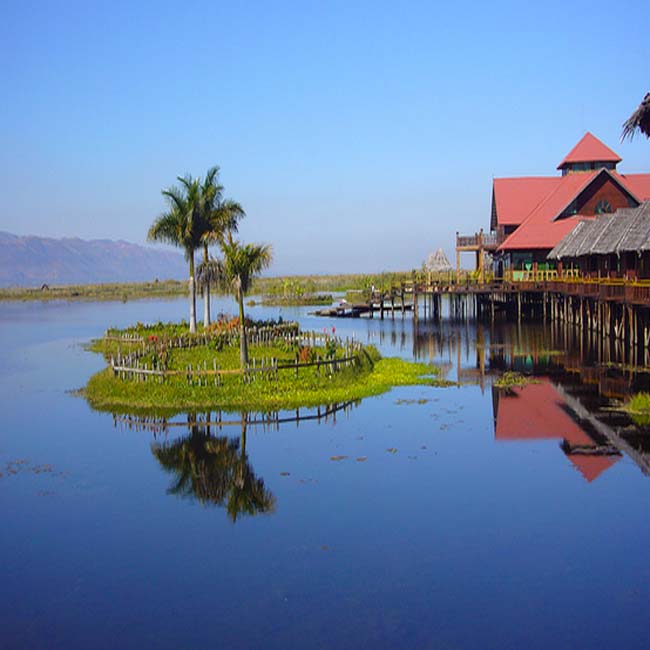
(240, 265)
(639, 120)
(182, 225)
(211, 190)
(221, 220)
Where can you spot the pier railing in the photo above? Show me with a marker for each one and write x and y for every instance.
(568, 282)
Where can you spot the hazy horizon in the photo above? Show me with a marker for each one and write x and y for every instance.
(356, 138)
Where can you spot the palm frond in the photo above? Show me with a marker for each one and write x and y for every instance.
(638, 121)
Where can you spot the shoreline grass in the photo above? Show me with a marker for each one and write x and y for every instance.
(268, 286)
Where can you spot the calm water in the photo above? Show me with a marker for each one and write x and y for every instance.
(453, 518)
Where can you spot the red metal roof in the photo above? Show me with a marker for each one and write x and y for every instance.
(535, 203)
(539, 229)
(590, 149)
(515, 198)
(542, 229)
(639, 184)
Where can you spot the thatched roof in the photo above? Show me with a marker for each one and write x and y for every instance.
(437, 262)
(637, 236)
(628, 229)
(568, 246)
(639, 120)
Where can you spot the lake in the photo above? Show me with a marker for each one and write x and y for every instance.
(461, 517)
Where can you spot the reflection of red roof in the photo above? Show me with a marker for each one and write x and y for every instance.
(591, 467)
(590, 149)
(537, 411)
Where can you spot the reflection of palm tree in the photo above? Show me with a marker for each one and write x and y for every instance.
(215, 470)
(247, 492)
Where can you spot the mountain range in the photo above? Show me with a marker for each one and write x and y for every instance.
(32, 261)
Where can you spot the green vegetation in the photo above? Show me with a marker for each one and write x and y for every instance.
(182, 226)
(510, 378)
(241, 263)
(308, 385)
(92, 292)
(198, 216)
(294, 301)
(639, 408)
(270, 286)
(221, 218)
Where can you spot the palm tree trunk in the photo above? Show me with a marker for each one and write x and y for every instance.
(243, 344)
(192, 295)
(206, 291)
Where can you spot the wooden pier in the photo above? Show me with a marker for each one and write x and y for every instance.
(610, 307)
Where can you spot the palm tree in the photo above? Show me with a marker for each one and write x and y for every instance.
(211, 191)
(182, 225)
(241, 264)
(221, 220)
(639, 120)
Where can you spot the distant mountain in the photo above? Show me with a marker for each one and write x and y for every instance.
(32, 261)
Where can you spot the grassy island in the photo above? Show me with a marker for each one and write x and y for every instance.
(161, 367)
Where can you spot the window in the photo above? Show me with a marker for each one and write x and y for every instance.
(603, 207)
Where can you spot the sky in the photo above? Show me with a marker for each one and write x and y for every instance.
(358, 136)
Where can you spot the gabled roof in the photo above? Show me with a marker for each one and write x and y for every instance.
(515, 198)
(590, 149)
(542, 228)
(539, 229)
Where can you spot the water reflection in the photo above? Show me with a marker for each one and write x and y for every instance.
(539, 411)
(580, 382)
(214, 470)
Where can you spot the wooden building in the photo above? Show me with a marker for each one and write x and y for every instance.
(609, 246)
(531, 215)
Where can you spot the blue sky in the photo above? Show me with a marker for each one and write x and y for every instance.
(357, 136)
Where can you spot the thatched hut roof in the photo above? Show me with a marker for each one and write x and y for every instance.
(628, 229)
(596, 228)
(637, 236)
(612, 228)
(437, 262)
(569, 245)
(639, 120)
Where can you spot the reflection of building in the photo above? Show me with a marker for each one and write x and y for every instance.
(538, 412)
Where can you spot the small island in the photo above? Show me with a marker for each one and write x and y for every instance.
(161, 368)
